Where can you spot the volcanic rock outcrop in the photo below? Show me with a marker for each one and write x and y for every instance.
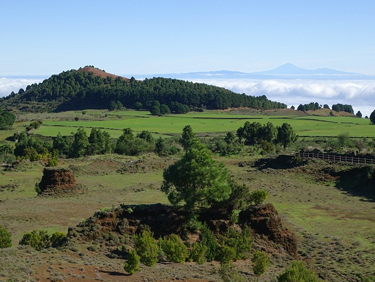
(58, 181)
(165, 220)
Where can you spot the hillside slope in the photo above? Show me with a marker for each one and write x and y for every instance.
(89, 87)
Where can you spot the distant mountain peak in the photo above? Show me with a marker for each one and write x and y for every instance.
(290, 69)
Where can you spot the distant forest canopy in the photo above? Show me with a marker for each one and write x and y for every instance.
(71, 90)
(316, 106)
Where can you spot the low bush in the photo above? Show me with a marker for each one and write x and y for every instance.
(258, 197)
(229, 273)
(226, 254)
(260, 263)
(198, 253)
(57, 239)
(5, 238)
(208, 239)
(132, 264)
(174, 248)
(146, 246)
(38, 239)
(240, 242)
(298, 272)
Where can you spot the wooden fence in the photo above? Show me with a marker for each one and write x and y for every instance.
(337, 158)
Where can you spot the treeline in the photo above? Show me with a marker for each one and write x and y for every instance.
(78, 90)
(6, 119)
(80, 144)
(316, 106)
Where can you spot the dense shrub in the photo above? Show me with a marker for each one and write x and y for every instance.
(167, 146)
(129, 145)
(198, 253)
(260, 263)
(146, 247)
(298, 272)
(259, 196)
(6, 119)
(132, 264)
(174, 248)
(38, 239)
(57, 239)
(226, 254)
(5, 238)
(240, 242)
(207, 238)
(229, 273)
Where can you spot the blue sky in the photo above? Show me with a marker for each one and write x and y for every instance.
(43, 37)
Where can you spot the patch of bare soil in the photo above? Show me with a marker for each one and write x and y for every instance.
(108, 166)
(101, 73)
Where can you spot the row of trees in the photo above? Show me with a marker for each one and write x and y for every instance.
(76, 89)
(254, 133)
(316, 106)
(100, 142)
(344, 108)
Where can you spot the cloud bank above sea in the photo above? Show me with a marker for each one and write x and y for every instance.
(358, 93)
(7, 85)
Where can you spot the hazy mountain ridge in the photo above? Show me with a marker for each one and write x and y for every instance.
(286, 71)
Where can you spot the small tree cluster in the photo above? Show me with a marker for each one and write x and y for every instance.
(128, 144)
(309, 107)
(158, 109)
(6, 119)
(32, 148)
(34, 125)
(254, 133)
(226, 146)
(167, 146)
(113, 106)
(39, 239)
(344, 108)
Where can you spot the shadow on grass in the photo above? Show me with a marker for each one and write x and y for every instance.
(115, 273)
(280, 162)
(358, 181)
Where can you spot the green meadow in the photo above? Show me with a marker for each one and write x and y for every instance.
(205, 122)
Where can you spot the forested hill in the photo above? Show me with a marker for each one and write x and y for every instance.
(92, 88)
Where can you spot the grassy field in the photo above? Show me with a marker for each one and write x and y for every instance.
(206, 122)
(335, 229)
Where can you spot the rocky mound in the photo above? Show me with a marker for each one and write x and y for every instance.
(164, 220)
(101, 73)
(58, 181)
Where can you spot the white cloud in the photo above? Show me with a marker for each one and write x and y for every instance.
(358, 93)
(7, 85)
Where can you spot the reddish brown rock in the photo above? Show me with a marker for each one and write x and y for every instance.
(164, 220)
(56, 181)
(265, 220)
